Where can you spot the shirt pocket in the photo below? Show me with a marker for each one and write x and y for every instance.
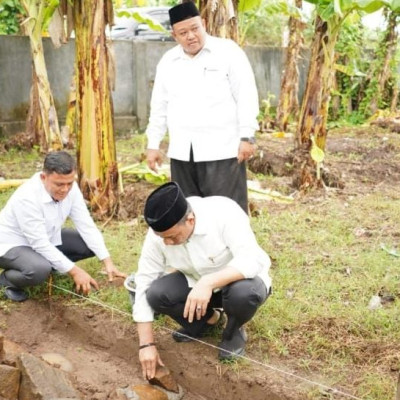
(216, 84)
(220, 258)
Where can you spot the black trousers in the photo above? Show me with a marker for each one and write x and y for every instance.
(212, 178)
(25, 267)
(240, 301)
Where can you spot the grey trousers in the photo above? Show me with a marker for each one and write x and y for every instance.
(240, 301)
(25, 267)
(212, 178)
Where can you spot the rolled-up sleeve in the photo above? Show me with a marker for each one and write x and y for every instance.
(151, 266)
(85, 225)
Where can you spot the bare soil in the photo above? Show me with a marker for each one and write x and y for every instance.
(103, 347)
(103, 351)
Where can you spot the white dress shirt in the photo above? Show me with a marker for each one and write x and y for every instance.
(222, 237)
(32, 218)
(208, 101)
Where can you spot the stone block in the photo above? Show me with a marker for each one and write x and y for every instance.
(11, 353)
(39, 381)
(145, 392)
(9, 382)
(164, 379)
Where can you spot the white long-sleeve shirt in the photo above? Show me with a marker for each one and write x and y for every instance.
(222, 237)
(32, 218)
(208, 101)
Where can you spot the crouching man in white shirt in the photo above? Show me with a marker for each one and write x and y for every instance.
(32, 241)
(218, 268)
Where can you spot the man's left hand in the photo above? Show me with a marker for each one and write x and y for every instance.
(111, 270)
(246, 151)
(197, 301)
(83, 281)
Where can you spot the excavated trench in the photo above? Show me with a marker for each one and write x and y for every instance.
(103, 351)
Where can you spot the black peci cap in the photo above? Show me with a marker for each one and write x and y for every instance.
(165, 207)
(183, 11)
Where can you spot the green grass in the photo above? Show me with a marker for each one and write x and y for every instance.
(324, 276)
(19, 164)
(327, 263)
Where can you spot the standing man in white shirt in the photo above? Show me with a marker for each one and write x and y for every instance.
(205, 96)
(32, 241)
(217, 264)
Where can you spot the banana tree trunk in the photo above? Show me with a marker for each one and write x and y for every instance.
(336, 100)
(221, 18)
(395, 97)
(314, 110)
(98, 173)
(389, 44)
(42, 101)
(68, 132)
(288, 99)
(34, 123)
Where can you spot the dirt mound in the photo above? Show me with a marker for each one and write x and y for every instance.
(103, 351)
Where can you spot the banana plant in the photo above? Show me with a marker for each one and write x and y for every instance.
(98, 170)
(221, 17)
(90, 110)
(330, 15)
(288, 98)
(42, 114)
(385, 65)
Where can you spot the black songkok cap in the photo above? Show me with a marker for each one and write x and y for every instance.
(165, 207)
(183, 11)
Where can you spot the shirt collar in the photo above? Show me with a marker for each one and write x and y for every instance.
(45, 196)
(207, 47)
(200, 226)
(208, 44)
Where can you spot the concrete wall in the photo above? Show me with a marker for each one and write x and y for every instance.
(135, 70)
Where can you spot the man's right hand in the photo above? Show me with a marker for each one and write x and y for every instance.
(149, 360)
(83, 281)
(148, 354)
(154, 158)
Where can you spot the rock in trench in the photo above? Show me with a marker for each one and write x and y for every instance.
(39, 381)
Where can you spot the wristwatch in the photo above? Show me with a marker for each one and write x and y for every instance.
(251, 140)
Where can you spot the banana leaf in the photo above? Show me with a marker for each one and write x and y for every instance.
(257, 193)
(142, 171)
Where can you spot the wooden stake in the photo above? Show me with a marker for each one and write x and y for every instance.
(50, 285)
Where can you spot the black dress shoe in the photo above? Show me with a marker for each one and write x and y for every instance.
(230, 349)
(15, 294)
(183, 336)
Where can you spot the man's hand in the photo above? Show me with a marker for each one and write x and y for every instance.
(197, 301)
(148, 354)
(111, 270)
(154, 158)
(83, 281)
(149, 360)
(246, 151)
